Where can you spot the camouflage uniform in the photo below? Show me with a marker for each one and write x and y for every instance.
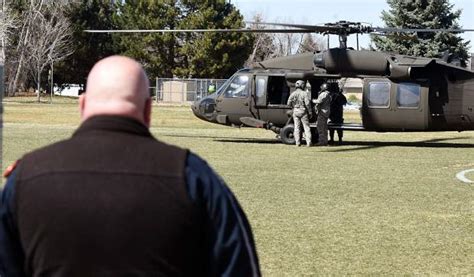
(323, 106)
(300, 101)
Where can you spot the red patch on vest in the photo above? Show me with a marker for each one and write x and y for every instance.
(10, 169)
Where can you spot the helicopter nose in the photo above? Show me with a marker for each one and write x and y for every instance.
(204, 109)
(195, 109)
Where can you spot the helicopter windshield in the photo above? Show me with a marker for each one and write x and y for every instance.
(239, 78)
(238, 87)
(222, 88)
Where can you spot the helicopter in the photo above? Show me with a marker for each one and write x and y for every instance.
(400, 93)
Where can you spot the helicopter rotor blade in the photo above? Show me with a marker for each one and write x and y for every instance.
(341, 28)
(414, 30)
(204, 31)
(356, 27)
(312, 28)
(300, 26)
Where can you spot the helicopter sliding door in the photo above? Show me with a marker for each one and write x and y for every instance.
(233, 102)
(389, 106)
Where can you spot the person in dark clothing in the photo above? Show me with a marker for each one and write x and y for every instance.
(114, 201)
(323, 110)
(338, 100)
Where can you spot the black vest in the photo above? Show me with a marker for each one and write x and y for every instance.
(110, 201)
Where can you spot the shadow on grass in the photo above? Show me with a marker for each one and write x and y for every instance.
(250, 140)
(432, 143)
(226, 139)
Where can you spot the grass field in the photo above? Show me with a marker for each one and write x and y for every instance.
(382, 204)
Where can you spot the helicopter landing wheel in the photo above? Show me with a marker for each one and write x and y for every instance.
(287, 135)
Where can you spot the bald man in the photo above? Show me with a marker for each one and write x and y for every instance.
(114, 201)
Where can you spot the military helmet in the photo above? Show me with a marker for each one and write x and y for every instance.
(300, 84)
(324, 86)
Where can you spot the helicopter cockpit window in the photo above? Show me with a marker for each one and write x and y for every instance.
(238, 88)
(379, 94)
(408, 95)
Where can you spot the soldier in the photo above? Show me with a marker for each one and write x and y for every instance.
(114, 201)
(211, 89)
(300, 101)
(338, 100)
(323, 106)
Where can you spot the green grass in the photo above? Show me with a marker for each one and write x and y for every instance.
(383, 203)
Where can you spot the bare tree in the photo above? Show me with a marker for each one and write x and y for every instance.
(287, 43)
(18, 56)
(7, 25)
(263, 47)
(311, 43)
(272, 45)
(50, 40)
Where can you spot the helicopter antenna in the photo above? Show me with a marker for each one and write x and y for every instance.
(357, 38)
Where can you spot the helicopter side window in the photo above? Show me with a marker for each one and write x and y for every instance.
(238, 88)
(379, 94)
(408, 95)
(260, 88)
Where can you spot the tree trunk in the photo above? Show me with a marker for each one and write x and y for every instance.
(39, 85)
(30, 18)
(14, 84)
(3, 51)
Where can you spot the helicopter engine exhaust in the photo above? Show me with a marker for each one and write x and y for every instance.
(349, 62)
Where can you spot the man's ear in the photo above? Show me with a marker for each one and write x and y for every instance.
(82, 103)
(147, 112)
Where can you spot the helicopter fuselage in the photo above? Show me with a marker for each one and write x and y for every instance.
(399, 93)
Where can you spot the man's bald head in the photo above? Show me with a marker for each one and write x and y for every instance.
(117, 85)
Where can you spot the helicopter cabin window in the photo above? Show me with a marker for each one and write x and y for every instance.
(408, 95)
(260, 87)
(379, 94)
(238, 88)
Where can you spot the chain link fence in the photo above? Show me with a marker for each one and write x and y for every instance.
(183, 91)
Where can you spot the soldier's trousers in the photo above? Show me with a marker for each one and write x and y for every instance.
(339, 134)
(301, 119)
(322, 126)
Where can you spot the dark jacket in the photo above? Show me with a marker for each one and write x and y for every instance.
(338, 101)
(114, 201)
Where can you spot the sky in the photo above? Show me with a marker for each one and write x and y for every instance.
(324, 11)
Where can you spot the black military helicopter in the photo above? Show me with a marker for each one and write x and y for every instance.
(400, 93)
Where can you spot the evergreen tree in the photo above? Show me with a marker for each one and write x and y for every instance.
(215, 55)
(210, 55)
(90, 14)
(433, 14)
(155, 51)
